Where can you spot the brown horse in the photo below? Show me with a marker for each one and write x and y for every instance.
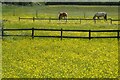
(63, 15)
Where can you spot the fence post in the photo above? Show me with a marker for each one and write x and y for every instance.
(118, 34)
(19, 18)
(2, 32)
(111, 21)
(84, 15)
(89, 34)
(13, 12)
(80, 21)
(95, 21)
(32, 33)
(49, 19)
(36, 14)
(33, 19)
(61, 33)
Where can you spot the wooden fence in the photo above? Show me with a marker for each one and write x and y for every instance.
(80, 19)
(61, 36)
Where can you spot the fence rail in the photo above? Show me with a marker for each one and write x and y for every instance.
(80, 19)
(61, 36)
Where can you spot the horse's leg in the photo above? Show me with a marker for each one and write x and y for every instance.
(105, 17)
(60, 20)
(98, 17)
(93, 17)
(66, 19)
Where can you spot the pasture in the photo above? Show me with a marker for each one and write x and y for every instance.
(24, 57)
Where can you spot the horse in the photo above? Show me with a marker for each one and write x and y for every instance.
(100, 14)
(63, 15)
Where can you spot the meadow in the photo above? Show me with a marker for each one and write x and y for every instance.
(24, 57)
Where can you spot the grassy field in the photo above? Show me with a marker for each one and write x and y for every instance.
(52, 11)
(24, 57)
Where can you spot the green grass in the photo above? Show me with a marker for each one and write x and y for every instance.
(52, 11)
(24, 57)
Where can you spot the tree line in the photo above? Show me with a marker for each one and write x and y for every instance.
(61, 3)
(82, 3)
(24, 3)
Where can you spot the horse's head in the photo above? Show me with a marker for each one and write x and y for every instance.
(105, 17)
(59, 16)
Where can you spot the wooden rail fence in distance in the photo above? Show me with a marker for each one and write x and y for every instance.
(80, 19)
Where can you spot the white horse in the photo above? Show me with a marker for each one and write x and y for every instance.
(100, 14)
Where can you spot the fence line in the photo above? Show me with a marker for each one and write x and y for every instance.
(61, 36)
(80, 19)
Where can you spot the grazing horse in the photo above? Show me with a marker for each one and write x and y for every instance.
(100, 14)
(63, 15)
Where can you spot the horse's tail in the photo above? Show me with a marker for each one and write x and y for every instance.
(105, 17)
